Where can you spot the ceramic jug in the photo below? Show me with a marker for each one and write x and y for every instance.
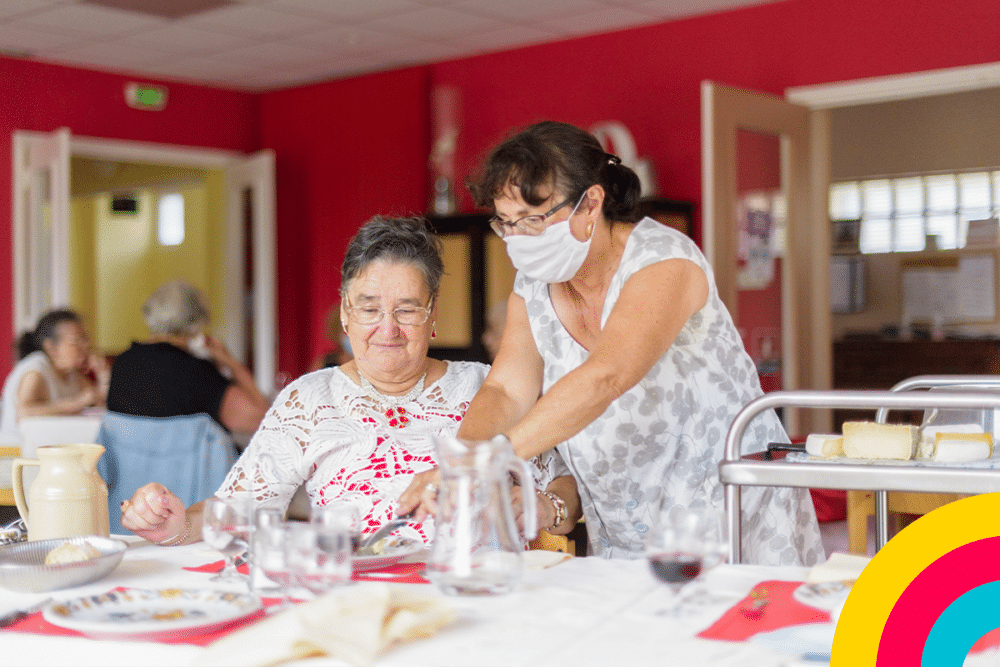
(68, 498)
(477, 546)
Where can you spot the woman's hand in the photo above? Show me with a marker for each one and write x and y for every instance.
(154, 513)
(421, 496)
(544, 509)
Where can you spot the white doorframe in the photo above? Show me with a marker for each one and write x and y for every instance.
(264, 268)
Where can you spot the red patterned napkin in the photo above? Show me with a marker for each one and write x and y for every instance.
(217, 566)
(400, 573)
(768, 606)
(35, 624)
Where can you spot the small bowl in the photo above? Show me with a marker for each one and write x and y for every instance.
(23, 568)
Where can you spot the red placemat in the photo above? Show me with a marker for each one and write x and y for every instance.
(401, 573)
(768, 606)
(36, 624)
(217, 566)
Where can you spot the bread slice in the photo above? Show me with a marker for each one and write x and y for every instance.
(67, 552)
(868, 440)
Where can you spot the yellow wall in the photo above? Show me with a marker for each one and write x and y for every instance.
(117, 261)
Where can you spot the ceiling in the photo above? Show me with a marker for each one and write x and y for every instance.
(259, 45)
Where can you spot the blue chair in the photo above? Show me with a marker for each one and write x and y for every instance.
(190, 455)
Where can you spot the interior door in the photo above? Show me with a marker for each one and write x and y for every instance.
(737, 127)
(250, 325)
(41, 224)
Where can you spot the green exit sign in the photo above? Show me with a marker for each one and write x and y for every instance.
(145, 96)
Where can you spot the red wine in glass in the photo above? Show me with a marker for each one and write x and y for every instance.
(675, 568)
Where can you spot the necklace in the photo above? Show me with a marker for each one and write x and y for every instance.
(394, 411)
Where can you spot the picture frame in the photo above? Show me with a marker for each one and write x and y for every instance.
(846, 236)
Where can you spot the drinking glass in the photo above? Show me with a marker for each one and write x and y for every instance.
(270, 566)
(319, 557)
(715, 534)
(340, 517)
(226, 527)
(676, 548)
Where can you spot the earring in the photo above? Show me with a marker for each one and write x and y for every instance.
(590, 229)
(434, 333)
(343, 325)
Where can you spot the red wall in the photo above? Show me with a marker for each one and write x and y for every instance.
(348, 149)
(40, 97)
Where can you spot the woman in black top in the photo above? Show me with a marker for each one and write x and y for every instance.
(180, 370)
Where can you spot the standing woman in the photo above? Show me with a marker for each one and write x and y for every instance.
(53, 374)
(616, 323)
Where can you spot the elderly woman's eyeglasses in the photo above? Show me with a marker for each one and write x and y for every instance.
(404, 315)
(529, 225)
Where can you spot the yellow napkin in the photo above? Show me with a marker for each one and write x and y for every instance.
(355, 624)
(838, 567)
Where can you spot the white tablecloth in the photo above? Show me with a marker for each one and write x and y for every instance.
(585, 611)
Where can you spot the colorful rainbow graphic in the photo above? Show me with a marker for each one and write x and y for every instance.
(930, 594)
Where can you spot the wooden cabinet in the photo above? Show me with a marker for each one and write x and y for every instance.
(880, 364)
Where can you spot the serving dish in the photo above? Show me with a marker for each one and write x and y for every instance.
(23, 568)
(151, 614)
(826, 595)
(394, 549)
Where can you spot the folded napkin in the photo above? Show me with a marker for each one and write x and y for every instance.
(217, 566)
(354, 623)
(768, 606)
(838, 567)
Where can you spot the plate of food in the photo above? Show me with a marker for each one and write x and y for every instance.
(151, 614)
(826, 595)
(49, 565)
(387, 551)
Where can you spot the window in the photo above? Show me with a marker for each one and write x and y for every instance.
(898, 214)
(170, 221)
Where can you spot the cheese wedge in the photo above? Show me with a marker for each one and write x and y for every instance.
(960, 447)
(829, 446)
(927, 446)
(868, 440)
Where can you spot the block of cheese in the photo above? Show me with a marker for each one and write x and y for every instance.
(960, 447)
(868, 440)
(928, 442)
(826, 445)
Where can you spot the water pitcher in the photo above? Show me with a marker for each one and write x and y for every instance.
(477, 546)
(68, 498)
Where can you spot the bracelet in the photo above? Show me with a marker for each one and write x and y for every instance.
(179, 537)
(560, 506)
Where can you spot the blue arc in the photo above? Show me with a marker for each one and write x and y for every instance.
(965, 620)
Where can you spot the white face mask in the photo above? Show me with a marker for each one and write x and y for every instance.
(554, 256)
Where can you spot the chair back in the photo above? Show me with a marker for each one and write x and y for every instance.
(7, 456)
(190, 455)
(54, 430)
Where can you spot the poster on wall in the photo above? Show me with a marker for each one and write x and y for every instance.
(760, 232)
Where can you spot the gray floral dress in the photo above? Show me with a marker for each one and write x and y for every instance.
(663, 438)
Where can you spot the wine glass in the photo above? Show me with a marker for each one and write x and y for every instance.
(270, 566)
(715, 533)
(319, 557)
(676, 549)
(226, 527)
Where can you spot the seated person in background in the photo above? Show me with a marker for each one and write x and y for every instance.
(340, 351)
(358, 433)
(53, 376)
(182, 371)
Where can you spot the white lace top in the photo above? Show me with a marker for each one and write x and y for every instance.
(325, 432)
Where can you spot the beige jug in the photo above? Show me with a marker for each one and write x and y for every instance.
(68, 498)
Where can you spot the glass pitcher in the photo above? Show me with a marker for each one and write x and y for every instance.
(477, 546)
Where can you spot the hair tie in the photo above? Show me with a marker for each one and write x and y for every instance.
(613, 160)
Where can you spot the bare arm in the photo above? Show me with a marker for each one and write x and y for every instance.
(33, 398)
(244, 404)
(652, 309)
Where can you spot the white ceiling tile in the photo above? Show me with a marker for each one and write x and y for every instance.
(91, 20)
(9, 9)
(113, 55)
(254, 21)
(182, 38)
(503, 39)
(528, 12)
(346, 10)
(427, 52)
(434, 23)
(605, 20)
(18, 37)
(270, 54)
(666, 9)
(352, 39)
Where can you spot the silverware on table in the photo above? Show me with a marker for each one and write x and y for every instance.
(21, 614)
(368, 541)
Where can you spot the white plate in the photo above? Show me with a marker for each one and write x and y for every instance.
(394, 548)
(151, 614)
(826, 595)
(814, 640)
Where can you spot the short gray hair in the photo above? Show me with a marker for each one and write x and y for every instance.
(402, 240)
(176, 307)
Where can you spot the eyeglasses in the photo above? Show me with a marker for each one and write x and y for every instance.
(405, 315)
(529, 225)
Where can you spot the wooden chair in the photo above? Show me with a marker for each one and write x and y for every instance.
(7, 456)
(861, 505)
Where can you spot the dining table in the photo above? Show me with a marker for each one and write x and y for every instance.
(582, 611)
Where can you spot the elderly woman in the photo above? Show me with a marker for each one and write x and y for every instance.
(357, 433)
(617, 324)
(180, 370)
(53, 376)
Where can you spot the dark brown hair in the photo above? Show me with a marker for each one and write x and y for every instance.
(550, 154)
